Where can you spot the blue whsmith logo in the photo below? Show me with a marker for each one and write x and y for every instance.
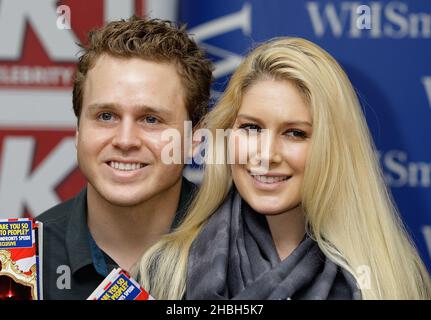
(386, 19)
(229, 60)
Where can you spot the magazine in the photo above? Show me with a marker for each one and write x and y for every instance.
(20, 259)
(118, 285)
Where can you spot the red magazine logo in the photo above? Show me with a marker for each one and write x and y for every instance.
(39, 38)
(37, 170)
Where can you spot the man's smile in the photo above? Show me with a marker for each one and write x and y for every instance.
(126, 166)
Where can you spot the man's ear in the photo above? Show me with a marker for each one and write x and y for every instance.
(76, 135)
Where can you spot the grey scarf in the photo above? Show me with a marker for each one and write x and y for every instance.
(234, 257)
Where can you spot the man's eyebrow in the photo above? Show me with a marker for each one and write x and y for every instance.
(98, 106)
(142, 108)
(289, 123)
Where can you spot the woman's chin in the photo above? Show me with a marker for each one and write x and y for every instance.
(266, 208)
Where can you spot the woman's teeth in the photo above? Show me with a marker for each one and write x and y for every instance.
(126, 166)
(266, 179)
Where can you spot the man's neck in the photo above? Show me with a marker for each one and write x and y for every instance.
(124, 233)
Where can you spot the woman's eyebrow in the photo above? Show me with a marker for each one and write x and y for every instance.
(298, 122)
(289, 123)
(248, 117)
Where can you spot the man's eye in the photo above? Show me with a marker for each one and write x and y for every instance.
(250, 127)
(105, 116)
(151, 119)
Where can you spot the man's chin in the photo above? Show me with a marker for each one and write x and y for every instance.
(117, 196)
(125, 203)
(126, 199)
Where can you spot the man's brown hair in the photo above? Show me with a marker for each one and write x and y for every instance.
(154, 40)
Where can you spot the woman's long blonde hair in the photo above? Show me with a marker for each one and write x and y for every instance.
(348, 209)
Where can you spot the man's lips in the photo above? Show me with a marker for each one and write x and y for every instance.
(128, 165)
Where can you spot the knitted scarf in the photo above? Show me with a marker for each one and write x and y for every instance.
(234, 257)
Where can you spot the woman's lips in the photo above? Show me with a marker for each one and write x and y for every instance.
(269, 181)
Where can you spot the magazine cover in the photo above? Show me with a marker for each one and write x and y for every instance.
(20, 259)
(118, 285)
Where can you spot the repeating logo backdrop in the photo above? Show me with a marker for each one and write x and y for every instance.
(385, 48)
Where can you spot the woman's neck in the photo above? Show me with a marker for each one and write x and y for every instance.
(287, 230)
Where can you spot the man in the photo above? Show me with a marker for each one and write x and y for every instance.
(135, 79)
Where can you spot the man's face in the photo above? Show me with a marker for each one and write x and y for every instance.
(127, 104)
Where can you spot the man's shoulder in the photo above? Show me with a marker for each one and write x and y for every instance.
(59, 212)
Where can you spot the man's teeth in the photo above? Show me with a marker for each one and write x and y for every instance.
(126, 166)
(266, 179)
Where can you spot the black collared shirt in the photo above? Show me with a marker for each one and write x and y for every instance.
(73, 265)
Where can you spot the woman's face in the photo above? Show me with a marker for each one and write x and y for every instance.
(278, 106)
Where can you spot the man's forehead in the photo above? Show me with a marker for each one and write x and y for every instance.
(106, 60)
(145, 85)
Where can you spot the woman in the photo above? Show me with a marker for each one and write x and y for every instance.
(319, 224)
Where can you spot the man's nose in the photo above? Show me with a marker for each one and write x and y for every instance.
(127, 136)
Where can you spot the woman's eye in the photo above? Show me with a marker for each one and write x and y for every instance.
(105, 116)
(151, 119)
(296, 134)
(250, 127)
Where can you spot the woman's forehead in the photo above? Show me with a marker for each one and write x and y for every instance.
(274, 99)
